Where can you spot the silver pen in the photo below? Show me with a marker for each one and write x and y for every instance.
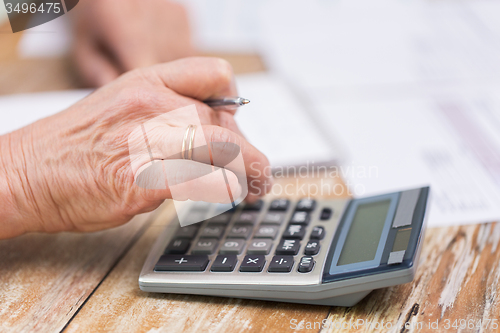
(229, 102)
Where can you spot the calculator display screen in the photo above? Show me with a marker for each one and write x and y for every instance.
(364, 235)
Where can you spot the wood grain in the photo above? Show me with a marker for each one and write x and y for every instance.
(458, 279)
(44, 278)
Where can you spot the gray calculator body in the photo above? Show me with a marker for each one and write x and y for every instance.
(359, 245)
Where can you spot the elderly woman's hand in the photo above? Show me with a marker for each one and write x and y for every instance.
(112, 37)
(74, 170)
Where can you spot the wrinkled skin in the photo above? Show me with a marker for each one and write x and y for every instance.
(72, 171)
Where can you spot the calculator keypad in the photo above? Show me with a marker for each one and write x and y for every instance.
(242, 239)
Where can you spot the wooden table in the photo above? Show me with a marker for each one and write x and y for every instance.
(88, 282)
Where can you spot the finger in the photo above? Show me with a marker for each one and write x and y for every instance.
(200, 78)
(227, 120)
(95, 67)
(162, 138)
(188, 180)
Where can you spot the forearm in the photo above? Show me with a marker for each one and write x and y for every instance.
(10, 224)
(15, 207)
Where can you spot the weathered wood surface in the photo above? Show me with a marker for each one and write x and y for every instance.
(44, 278)
(458, 279)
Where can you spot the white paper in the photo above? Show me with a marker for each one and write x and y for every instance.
(449, 140)
(19, 110)
(278, 124)
(362, 43)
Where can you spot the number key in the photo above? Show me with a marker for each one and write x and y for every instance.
(267, 231)
(214, 231)
(260, 246)
(240, 231)
(232, 246)
(273, 218)
(247, 217)
(205, 246)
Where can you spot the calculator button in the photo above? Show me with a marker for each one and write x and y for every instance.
(186, 232)
(279, 204)
(288, 246)
(260, 246)
(170, 262)
(212, 231)
(274, 218)
(318, 233)
(312, 248)
(252, 263)
(267, 231)
(326, 213)
(300, 218)
(224, 263)
(306, 205)
(306, 264)
(248, 217)
(257, 205)
(294, 231)
(178, 246)
(205, 246)
(232, 246)
(281, 264)
(240, 231)
(221, 219)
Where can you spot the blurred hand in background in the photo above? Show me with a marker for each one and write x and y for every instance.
(112, 37)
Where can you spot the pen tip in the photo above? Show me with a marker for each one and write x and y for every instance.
(245, 101)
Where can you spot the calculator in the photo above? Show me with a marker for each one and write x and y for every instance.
(327, 252)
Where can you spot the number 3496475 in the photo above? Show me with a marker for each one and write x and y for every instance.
(44, 7)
